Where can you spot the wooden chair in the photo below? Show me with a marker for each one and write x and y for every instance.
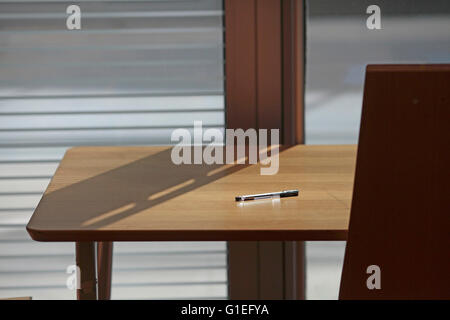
(400, 216)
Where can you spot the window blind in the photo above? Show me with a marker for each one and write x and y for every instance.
(134, 72)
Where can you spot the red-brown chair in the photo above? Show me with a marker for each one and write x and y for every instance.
(400, 215)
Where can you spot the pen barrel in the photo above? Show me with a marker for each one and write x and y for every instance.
(282, 194)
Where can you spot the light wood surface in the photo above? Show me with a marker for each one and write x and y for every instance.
(137, 193)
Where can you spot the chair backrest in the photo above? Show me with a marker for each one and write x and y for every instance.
(400, 215)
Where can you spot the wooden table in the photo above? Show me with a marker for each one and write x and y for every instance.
(106, 194)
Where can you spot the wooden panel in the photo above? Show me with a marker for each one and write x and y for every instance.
(293, 71)
(240, 68)
(295, 270)
(265, 66)
(243, 266)
(400, 211)
(293, 126)
(268, 64)
(256, 270)
(253, 53)
(110, 194)
(271, 270)
(266, 270)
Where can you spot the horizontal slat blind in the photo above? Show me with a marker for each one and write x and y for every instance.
(134, 72)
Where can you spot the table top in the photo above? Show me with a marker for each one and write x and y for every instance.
(138, 194)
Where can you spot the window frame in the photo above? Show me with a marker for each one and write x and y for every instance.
(264, 89)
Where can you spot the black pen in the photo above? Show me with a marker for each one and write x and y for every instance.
(280, 194)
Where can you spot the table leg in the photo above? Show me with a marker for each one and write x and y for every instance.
(104, 269)
(301, 270)
(85, 260)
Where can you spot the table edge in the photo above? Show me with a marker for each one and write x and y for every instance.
(187, 235)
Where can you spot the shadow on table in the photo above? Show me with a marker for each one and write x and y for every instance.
(127, 190)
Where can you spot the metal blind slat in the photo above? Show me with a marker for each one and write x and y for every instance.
(136, 71)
